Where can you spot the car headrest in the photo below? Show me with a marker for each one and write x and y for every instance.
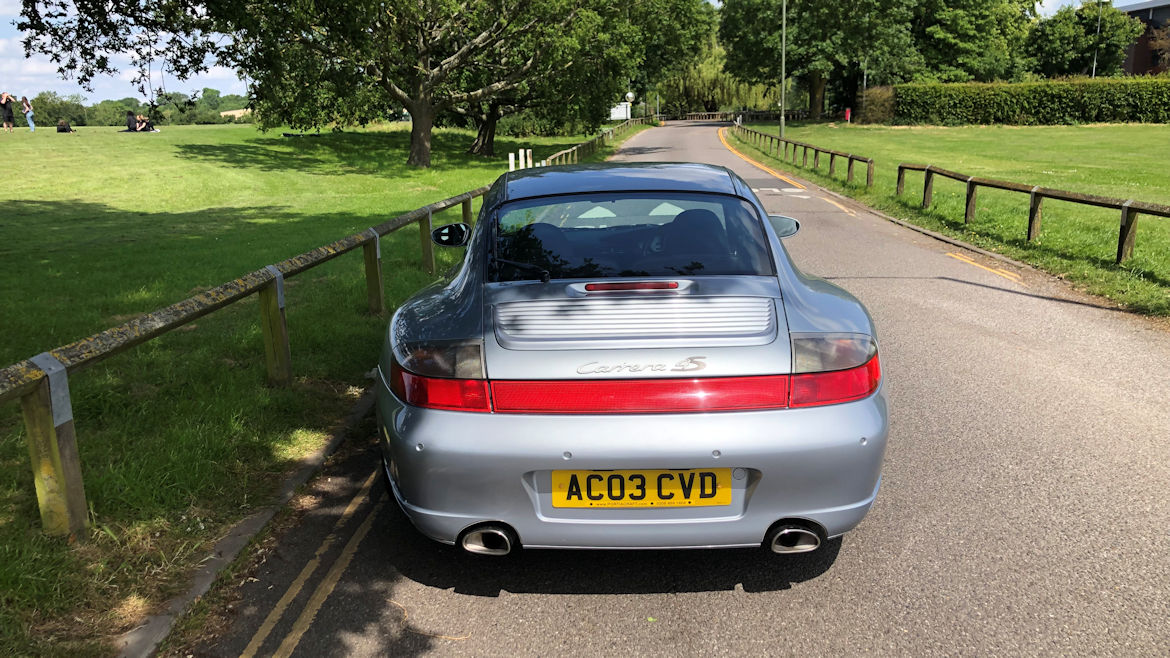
(552, 240)
(695, 231)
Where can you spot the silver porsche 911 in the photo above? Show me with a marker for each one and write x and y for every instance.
(628, 358)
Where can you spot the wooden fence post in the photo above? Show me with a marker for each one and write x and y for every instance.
(972, 189)
(468, 217)
(804, 160)
(375, 292)
(1034, 201)
(1128, 232)
(901, 180)
(816, 158)
(869, 174)
(849, 177)
(428, 249)
(52, 446)
(277, 353)
(927, 187)
(832, 163)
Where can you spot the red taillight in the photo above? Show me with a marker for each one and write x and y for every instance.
(631, 285)
(641, 395)
(638, 395)
(439, 393)
(834, 387)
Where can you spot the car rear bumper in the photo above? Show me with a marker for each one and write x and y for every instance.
(452, 470)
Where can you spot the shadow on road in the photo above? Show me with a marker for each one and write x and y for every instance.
(642, 150)
(984, 285)
(590, 572)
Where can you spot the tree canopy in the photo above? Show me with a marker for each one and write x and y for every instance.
(350, 61)
(1069, 42)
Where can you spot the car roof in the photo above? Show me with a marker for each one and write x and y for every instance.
(617, 177)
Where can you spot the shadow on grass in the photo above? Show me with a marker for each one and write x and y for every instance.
(91, 266)
(379, 153)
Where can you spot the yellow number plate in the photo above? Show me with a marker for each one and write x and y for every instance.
(676, 488)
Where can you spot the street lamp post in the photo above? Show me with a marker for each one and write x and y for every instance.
(783, 63)
(1097, 47)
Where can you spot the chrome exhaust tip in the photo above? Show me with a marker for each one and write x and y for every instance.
(488, 540)
(786, 539)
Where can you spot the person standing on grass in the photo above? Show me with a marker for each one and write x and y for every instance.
(6, 110)
(26, 107)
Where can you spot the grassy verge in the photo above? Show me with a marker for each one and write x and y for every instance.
(1077, 242)
(179, 439)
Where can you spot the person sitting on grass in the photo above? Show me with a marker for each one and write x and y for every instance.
(145, 125)
(64, 127)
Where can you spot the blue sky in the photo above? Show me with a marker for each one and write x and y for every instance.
(27, 77)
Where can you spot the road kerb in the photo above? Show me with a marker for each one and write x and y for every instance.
(145, 639)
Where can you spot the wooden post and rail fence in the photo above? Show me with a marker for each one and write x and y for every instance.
(772, 144)
(41, 383)
(574, 154)
(1130, 209)
(42, 386)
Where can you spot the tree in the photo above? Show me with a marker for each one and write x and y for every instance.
(54, 107)
(316, 63)
(1068, 42)
(669, 36)
(825, 38)
(965, 40)
(581, 78)
(705, 87)
(1160, 44)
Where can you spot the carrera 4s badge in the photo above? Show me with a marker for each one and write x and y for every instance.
(689, 364)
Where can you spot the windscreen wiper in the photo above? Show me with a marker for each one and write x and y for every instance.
(544, 274)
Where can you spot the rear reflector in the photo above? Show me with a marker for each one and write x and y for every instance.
(641, 395)
(616, 396)
(838, 386)
(631, 285)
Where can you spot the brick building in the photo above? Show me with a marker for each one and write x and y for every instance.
(1141, 58)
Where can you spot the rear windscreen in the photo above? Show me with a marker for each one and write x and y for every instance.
(626, 235)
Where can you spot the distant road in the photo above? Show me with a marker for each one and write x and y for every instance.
(1025, 507)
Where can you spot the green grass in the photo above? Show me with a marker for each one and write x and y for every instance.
(179, 438)
(1077, 242)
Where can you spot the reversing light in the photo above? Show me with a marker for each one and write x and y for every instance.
(439, 393)
(833, 368)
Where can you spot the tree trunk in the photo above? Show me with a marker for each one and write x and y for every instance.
(422, 119)
(816, 95)
(485, 138)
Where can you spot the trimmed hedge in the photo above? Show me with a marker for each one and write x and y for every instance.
(876, 105)
(1086, 100)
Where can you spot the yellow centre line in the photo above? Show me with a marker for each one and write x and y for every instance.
(1010, 276)
(758, 165)
(295, 588)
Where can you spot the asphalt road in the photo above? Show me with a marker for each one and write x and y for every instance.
(1024, 510)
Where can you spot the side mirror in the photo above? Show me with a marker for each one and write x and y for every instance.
(784, 226)
(451, 235)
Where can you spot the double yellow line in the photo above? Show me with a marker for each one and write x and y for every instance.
(328, 583)
(758, 165)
